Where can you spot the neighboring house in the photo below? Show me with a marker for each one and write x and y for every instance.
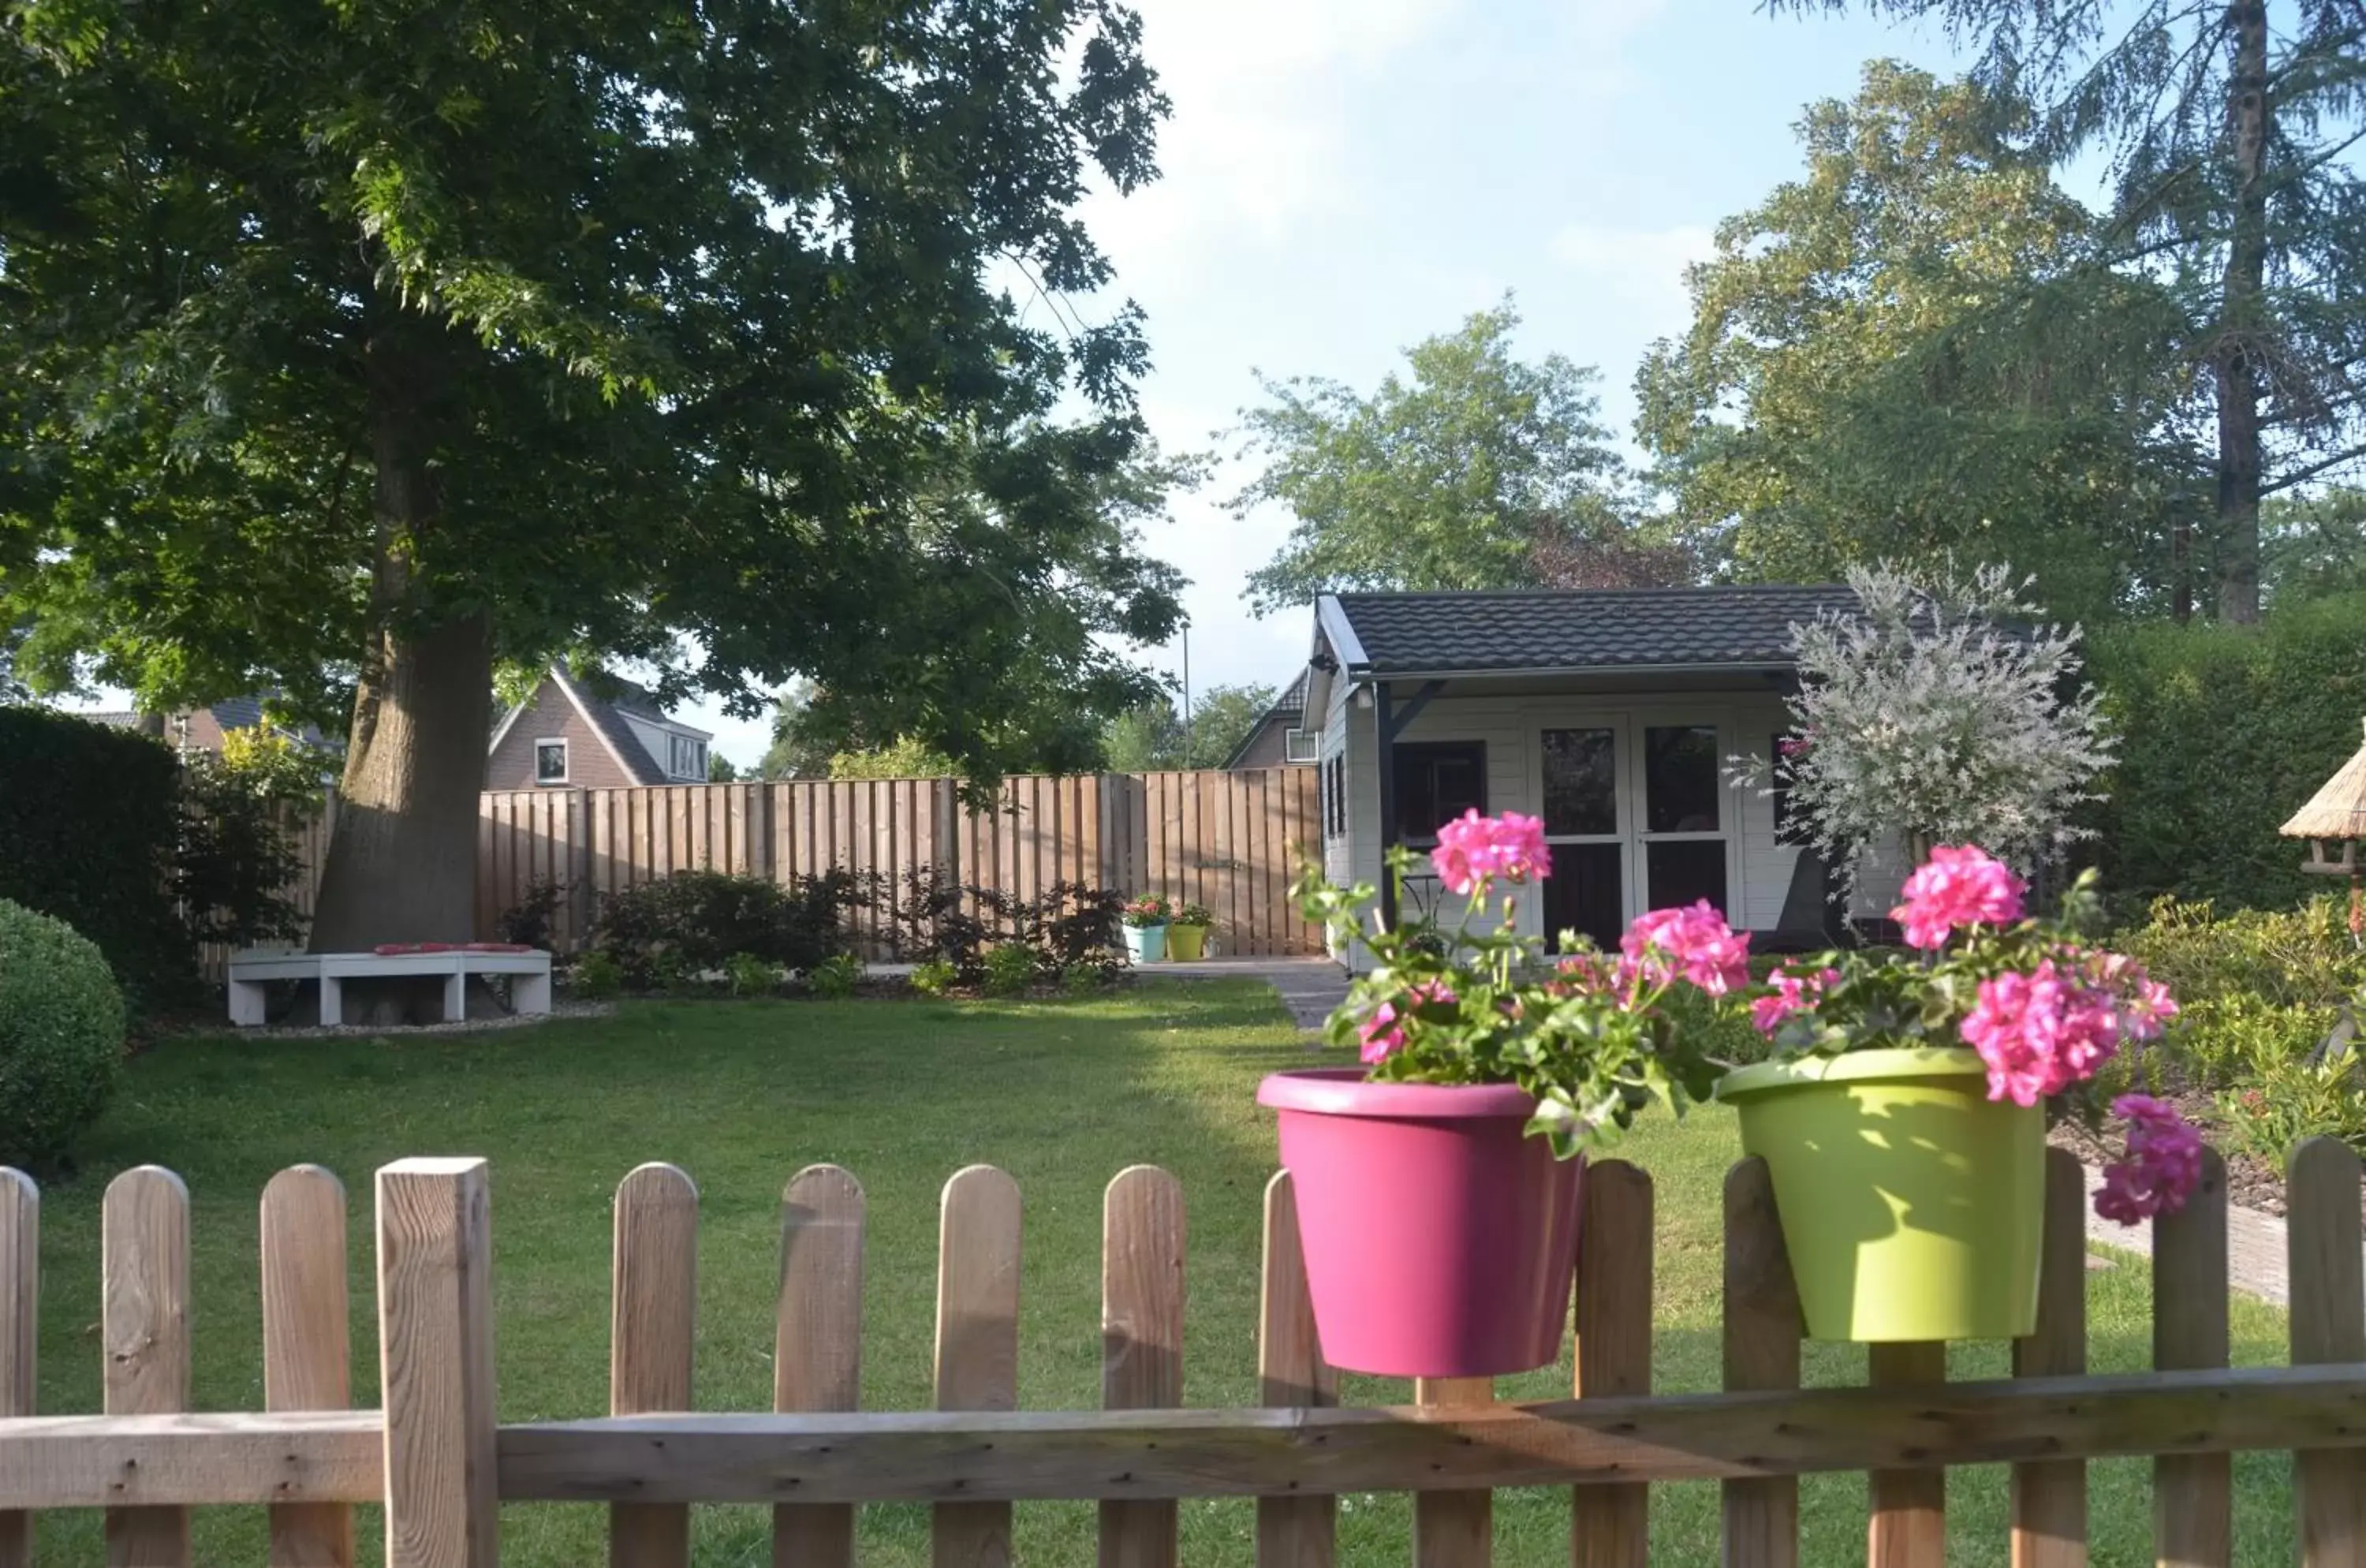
(201, 729)
(585, 732)
(1281, 736)
(1611, 715)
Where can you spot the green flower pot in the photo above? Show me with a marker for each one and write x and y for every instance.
(1187, 944)
(1913, 1204)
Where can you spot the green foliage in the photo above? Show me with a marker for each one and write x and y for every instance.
(748, 975)
(1084, 979)
(836, 977)
(1907, 351)
(1152, 737)
(2312, 547)
(1194, 915)
(1150, 909)
(62, 1025)
(2284, 1098)
(937, 918)
(661, 933)
(934, 977)
(1010, 969)
(89, 822)
(720, 769)
(597, 976)
(237, 855)
(2224, 733)
(902, 759)
(1451, 478)
(529, 919)
(2284, 958)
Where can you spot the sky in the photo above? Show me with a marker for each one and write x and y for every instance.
(1342, 178)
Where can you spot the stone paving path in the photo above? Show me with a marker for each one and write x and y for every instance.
(1309, 987)
(2255, 1246)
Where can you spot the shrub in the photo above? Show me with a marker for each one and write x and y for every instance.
(937, 918)
(236, 857)
(835, 978)
(597, 976)
(934, 977)
(1010, 969)
(529, 919)
(2225, 732)
(2303, 957)
(750, 975)
(693, 921)
(62, 1025)
(89, 820)
(1084, 979)
(2298, 1098)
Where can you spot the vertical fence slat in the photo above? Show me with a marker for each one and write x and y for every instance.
(306, 1343)
(818, 1342)
(435, 1363)
(1141, 1339)
(1292, 1532)
(145, 1329)
(1610, 1525)
(20, 1294)
(1763, 1330)
(1453, 1530)
(977, 1343)
(2193, 1503)
(652, 1328)
(2329, 1324)
(2049, 1498)
(1909, 1529)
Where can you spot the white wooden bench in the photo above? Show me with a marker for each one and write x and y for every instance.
(251, 969)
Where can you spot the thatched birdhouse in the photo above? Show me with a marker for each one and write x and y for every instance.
(2336, 815)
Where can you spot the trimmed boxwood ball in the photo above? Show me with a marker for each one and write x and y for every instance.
(62, 1025)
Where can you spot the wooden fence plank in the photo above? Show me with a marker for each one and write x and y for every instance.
(144, 1315)
(2049, 1498)
(1142, 1340)
(1610, 1525)
(1908, 1527)
(1763, 1330)
(1292, 1532)
(2329, 1324)
(21, 1298)
(977, 1343)
(818, 1342)
(652, 1331)
(435, 1363)
(306, 1343)
(1454, 1529)
(2192, 1494)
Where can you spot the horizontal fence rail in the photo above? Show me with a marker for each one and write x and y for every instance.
(440, 1464)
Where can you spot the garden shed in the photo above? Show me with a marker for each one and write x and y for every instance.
(1610, 714)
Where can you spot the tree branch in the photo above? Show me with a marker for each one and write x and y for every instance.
(2302, 476)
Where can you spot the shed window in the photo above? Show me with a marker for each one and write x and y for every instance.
(1437, 781)
(550, 762)
(1300, 745)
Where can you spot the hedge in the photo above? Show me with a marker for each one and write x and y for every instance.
(88, 825)
(2224, 732)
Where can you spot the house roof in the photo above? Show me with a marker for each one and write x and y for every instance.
(1540, 630)
(1291, 706)
(604, 710)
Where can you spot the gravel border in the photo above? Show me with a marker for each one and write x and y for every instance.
(559, 1009)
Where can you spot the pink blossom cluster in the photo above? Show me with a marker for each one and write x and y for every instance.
(1792, 994)
(1383, 1032)
(2042, 1032)
(1692, 942)
(2163, 1167)
(1473, 851)
(1955, 889)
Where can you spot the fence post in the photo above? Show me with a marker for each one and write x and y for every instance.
(2329, 1324)
(2050, 1496)
(1763, 1330)
(818, 1343)
(1142, 1340)
(306, 1343)
(652, 1328)
(435, 1363)
(145, 1329)
(1298, 1531)
(977, 1342)
(579, 868)
(2193, 1523)
(1610, 1525)
(20, 1294)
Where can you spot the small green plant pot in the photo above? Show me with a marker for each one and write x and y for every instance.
(1146, 944)
(1187, 944)
(1913, 1204)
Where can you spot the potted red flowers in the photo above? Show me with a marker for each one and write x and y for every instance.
(1437, 1185)
(1902, 1115)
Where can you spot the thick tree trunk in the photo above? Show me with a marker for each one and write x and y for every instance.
(2241, 319)
(402, 862)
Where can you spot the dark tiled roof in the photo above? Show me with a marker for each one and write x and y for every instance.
(605, 717)
(1293, 696)
(1583, 629)
(1291, 706)
(238, 713)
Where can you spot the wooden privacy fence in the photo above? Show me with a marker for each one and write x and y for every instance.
(436, 1458)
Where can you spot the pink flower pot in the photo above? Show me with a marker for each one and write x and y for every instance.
(1440, 1241)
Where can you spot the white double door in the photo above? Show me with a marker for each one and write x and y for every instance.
(1638, 815)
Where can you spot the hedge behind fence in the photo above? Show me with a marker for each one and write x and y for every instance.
(2225, 732)
(87, 829)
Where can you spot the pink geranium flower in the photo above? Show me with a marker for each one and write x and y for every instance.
(1383, 1032)
(1473, 851)
(1955, 889)
(1693, 944)
(1792, 994)
(2163, 1167)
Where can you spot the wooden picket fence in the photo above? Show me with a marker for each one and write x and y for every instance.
(437, 1458)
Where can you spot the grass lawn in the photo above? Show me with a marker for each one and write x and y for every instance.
(1061, 1094)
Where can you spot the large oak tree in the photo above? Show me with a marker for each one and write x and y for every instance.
(351, 349)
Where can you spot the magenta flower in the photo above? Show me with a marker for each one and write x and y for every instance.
(1955, 889)
(2143, 1003)
(1383, 1032)
(2163, 1167)
(1792, 994)
(1692, 942)
(1473, 851)
(2042, 1032)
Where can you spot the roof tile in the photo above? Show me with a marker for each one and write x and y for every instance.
(1540, 630)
